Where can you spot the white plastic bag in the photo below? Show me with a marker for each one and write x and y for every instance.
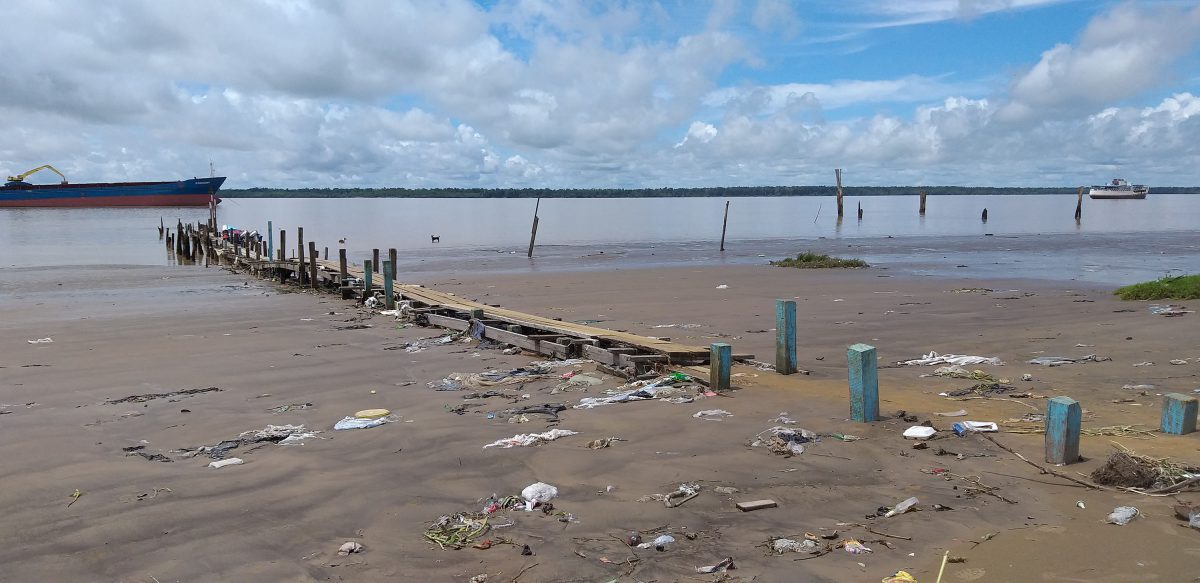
(538, 493)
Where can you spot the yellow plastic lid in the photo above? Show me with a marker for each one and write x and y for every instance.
(372, 413)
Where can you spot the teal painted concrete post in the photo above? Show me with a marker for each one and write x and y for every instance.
(367, 278)
(270, 241)
(389, 273)
(1179, 414)
(1063, 415)
(785, 336)
(719, 362)
(864, 383)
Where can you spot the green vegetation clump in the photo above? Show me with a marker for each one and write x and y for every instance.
(808, 260)
(1180, 287)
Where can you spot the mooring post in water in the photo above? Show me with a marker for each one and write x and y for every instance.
(161, 227)
(1063, 415)
(283, 245)
(342, 266)
(838, 173)
(922, 209)
(983, 217)
(785, 336)
(860, 210)
(327, 254)
(720, 360)
(375, 260)
(270, 240)
(312, 265)
(864, 383)
(1079, 205)
(389, 273)
(724, 224)
(392, 257)
(1178, 414)
(300, 253)
(368, 266)
(533, 231)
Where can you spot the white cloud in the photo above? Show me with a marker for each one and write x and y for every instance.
(891, 13)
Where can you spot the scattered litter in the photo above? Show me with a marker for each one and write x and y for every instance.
(726, 490)
(677, 498)
(636, 391)
(784, 419)
(1127, 469)
(1178, 361)
(233, 461)
(602, 443)
(41, 341)
(787, 545)
(785, 441)
(679, 326)
(712, 414)
(1122, 515)
(956, 359)
(423, 344)
(290, 407)
(530, 439)
(1027, 377)
(959, 413)
(919, 432)
(1138, 387)
(349, 547)
(661, 542)
(538, 493)
(722, 286)
(372, 413)
(756, 505)
(976, 427)
(1145, 363)
(981, 389)
(902, 507)
(854, 547)
(75, 496)
(456, 531)
(1168, 310)
(900, 577)
(725, 565)
(958, 372)
(1061, 360)
(353, 422)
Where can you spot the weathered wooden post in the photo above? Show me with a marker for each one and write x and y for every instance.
(785, 336)
(389, 272)
(533, 231)
(724, 224)
(838, 173)
(312, 265)
(864, 383)
(161, 227)
(1178, 414)
(983, 217)
(342, 267)
(282, 244)
(270, 240)
(392, 258)
(720, 361)
(368, 267)
(375, 259)
(1079, 205)
(1063, 416)
(922, 209)
(860, 210)
(300, 254)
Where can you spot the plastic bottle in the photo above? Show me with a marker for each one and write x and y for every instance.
(902, 507)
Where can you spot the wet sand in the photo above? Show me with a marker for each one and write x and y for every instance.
(282, 515)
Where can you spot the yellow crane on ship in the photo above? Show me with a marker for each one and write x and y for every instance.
(22, 176)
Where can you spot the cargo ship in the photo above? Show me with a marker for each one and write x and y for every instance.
(1119, 188)
(195, 192)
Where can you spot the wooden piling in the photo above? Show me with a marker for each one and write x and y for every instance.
(270, 240)
(161, 227)
(724, 224)
(864, 383)
(342, 267)
(1178, 414)
(392, 258)
(983, 217)
(283, 245)
(860, 210)
(327, 254)
(720, 361)
(389, 272)
(300, 254)
(1063, 416)
(785, 336)
(921, 211)
(375, 260)
(312, 265)
(1079, 205)
(533, 230)
(838, 173)
(368, 269)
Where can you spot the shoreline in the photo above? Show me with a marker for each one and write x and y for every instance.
(282, 515)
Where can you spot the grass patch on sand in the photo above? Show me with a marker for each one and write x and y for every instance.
(808, 260)
(1181, 287)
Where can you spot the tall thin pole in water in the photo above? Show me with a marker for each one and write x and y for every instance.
(533, 233)
(724, 224)
(1079, 206)
(838, 173)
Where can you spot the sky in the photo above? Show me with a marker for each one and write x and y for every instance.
(603, 94)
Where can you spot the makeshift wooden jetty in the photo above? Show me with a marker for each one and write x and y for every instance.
(547, 336)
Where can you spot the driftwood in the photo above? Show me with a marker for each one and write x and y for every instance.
(1044, 469)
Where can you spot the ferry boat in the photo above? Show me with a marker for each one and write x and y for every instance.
(1120, 188)
(195, 192)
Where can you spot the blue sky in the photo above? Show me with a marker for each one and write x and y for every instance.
(563, 93)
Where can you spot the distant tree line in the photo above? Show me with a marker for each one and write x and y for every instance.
(716, 191)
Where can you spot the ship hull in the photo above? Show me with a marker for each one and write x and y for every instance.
(195, 192)
(1117, 195)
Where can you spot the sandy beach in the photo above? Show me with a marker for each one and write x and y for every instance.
(280, 356)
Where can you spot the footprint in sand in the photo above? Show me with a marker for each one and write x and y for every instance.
(970, 574)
